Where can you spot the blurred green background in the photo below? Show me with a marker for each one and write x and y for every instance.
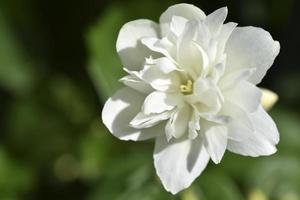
(58, 64)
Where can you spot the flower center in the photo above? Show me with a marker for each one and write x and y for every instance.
(187, 88)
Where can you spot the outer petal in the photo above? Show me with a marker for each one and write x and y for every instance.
(132, 52)
(120, 109)
(251, 47)
(178, 163)
(263, 140)
(187, 11)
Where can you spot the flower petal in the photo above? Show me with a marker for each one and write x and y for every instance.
(120, 109)
(223, 37)
(265, 125)
(162, 46)
(231, 79)
(246, 95)
(194, 125)
(240, 126)
(158, 102)
(251, 47)
(136, 84)
(177, 25)
(178, 163)
(145, 121)
(216, 19)
(160, 80)
(253, 146)
(132, 52)
(215, 142)
(178, 122)
(263, 140)
(187, 11)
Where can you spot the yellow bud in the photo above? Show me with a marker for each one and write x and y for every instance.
(269, 98)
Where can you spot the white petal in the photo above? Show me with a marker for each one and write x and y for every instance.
(145, 121)
(132, 52)
(251, 47)
(194, 125)
(231, 79)
(158, 102)
(187, 11)
(263, 140)
(253, 146)
(216, 19)
(246, 95)
(137, 84)
(215, 142)
(162, 46)
(178, 163)
(218, 69)
(240, 126)
(259, 144)
(165, 65)
(223, 37)
(178, 24)
(192, 59)
(178, 122)
(160, 80)
(265, 125)
(120, 109)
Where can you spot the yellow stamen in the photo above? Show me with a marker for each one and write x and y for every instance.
(187, 88)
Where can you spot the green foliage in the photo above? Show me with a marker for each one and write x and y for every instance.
(17, 74)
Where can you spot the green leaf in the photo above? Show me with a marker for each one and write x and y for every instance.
(104, 66)
(17, 74)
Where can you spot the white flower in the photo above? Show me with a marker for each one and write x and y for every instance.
(191, 85)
